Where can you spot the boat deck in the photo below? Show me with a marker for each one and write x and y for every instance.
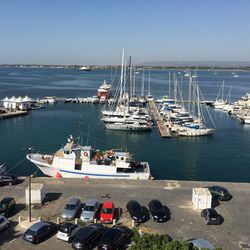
(163, 129)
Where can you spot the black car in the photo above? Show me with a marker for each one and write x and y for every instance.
(158, 211)
(39, 231)
(220, 193)
(8, 179)
(7, 205)
(211, 216)
(136, 211)
(88, 237)
(67, 231)
(117, 237)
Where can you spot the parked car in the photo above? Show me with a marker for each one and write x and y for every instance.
(8, 179)
(158, 211)
(4, 223)
(108, 212)
(39, 231)
(7, 205)
(211, 216)
(136, 211)
(89, 210)
(67, 231)
(201, 244)
(71, 208)
(88, 237)
(117, 237)
(220, 193)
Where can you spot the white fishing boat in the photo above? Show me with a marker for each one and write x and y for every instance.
(76, 161)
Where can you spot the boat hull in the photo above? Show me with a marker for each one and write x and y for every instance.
(58, 172)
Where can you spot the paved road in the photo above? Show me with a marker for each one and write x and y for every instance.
(185, 222)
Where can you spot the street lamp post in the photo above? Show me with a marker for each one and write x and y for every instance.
(29, 185)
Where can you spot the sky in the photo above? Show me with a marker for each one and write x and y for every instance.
(94, 32)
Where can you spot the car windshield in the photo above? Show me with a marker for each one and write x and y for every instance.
(70, 206)
(219, 189)
(213, 212)
(157, 205)
(89, 208)
(107, 210)
(2, 205)
(30, 232)
(135, 206)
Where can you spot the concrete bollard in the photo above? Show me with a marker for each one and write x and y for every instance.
(19, 219)
(140, 232)
(114, 222)
(133, 223)
(76, 220)
(58, 220)
(95, 220)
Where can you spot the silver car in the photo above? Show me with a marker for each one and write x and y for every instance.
(89, 210)
(4, 223)
(71, 208)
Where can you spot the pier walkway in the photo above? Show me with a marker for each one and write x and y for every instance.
(164, 130)
(11, 114)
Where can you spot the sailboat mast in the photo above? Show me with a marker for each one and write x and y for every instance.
(198, 102)
(222, 91)
(189, 94)
(148, 81)
(142, 85)
(121, 91)
(169, 84)
(130, 88)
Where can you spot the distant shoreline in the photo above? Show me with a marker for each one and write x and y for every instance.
(138, 67)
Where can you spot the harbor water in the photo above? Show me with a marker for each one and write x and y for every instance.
(225, 156)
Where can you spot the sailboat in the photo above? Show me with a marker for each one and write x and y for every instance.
(196, 127)
(149, 97)
(125, 117)
(219, 103)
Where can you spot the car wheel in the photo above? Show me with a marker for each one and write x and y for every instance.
(36, 241)
(70, 240)
(207, 222)
(7, 226)
(10, 183)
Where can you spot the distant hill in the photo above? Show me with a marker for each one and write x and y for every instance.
(227, 64)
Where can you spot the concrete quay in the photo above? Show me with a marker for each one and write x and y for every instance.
(12, 114)
(185, 221)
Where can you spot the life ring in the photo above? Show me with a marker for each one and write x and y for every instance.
(85, 154)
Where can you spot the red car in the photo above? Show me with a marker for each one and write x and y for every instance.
(107, 212)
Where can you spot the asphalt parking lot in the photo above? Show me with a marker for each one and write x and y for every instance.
(185, 221)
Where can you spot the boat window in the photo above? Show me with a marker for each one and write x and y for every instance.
(117, 157)
(122, 158)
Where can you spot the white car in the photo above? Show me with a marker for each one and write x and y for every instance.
(67, 231)
(4, 223)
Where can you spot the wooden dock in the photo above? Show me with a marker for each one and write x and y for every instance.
(11, 114)
(163, 129)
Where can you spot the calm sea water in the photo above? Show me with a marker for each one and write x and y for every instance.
(222, 157)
